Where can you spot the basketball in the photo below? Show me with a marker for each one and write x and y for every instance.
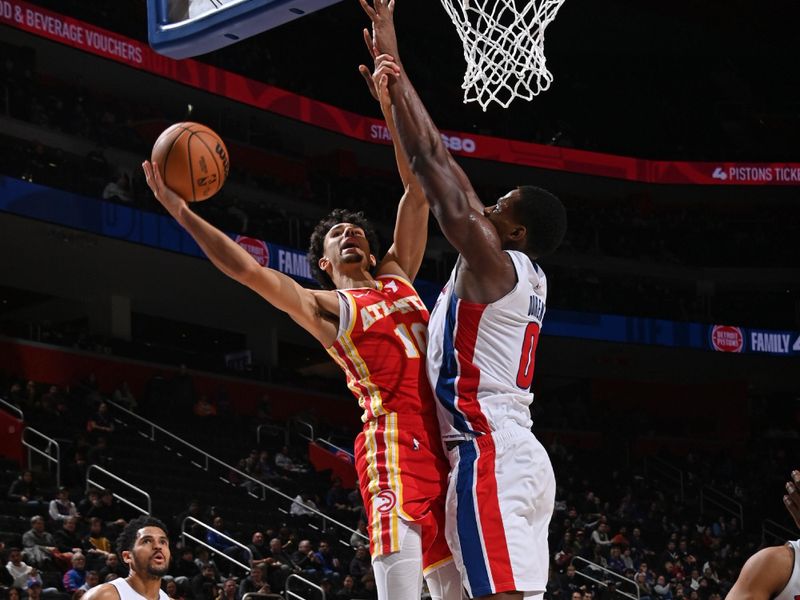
(193, 160)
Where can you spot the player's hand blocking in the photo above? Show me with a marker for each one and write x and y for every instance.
(384, 39)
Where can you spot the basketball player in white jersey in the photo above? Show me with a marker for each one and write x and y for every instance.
(144, 546)
(774, 572)
(483, 335)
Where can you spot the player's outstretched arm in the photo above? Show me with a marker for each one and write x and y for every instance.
(452, 198)
(405, 255)
(308, 308)
(764, 574)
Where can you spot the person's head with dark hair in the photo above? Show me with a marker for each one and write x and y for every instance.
(144, 546)
(342, 241)
(529, 219)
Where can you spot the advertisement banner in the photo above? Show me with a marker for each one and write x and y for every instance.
(138, 55)
(96, 216)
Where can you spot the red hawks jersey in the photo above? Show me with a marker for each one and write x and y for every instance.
(381, 347)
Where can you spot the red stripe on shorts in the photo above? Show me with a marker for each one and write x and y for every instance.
(491, 519)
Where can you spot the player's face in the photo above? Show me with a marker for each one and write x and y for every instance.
(502, 214)
(150, 555)
(346, 244)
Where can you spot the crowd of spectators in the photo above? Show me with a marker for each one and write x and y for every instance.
(608, 511)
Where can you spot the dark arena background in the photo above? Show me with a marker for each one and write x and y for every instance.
(138, 378)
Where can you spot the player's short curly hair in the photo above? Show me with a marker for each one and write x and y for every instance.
(545, 218)
(127, 538)
(316, 247)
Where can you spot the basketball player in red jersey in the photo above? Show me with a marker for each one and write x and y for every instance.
(373, 324)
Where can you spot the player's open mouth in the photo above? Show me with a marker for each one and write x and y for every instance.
(349, 247)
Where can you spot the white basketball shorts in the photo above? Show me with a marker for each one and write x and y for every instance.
(500, 497)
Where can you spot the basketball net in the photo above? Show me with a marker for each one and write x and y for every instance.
(503, 47)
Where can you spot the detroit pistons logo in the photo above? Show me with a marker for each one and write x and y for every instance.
(385, 501)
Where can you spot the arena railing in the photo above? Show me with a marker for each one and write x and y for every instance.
(92, 482)
(12, 409)
(294, 577)
(204, 461)
(246, 551)
(722, 501)
(258, 596)
(311, 437)
(51, 452)
(775, 532)
(594, 572)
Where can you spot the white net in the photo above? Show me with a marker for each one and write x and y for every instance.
(504, 47)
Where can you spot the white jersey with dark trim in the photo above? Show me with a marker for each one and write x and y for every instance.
(481, 356)
(792, 589)
(126, 592)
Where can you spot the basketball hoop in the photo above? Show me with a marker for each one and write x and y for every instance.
(503, 47)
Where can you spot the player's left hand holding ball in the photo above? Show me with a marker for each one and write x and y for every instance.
(168, 198)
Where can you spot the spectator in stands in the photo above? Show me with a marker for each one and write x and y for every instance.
(369, 591)
(229, 590)
(615, 562)
(101, 423)
(61, 507)
(68, 541)
(569, 582)
(89, 502)
(348, 590)
(284, 462)
(600, 537)
(258, 549)
(24, 489)
(645, 589)
(303, 505)
(38, 544)
(92, 579)
(184, 568)
(76, 576)
(214, 539)
(96, 545)
(109, 511)
(267, 472)
(124, 397)
(16, 397)
(360, 564)
(172, 590)
(305, 559)
(328, 563)
(113, 566)
(204, 585)
(662, 589)
(256, 582)
(360, 536)
(279, 563)
(14, 594)
(196, 511)
(119, 190)
(20, 571)
(53, 402)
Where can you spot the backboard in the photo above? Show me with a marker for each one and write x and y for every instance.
(185, 28)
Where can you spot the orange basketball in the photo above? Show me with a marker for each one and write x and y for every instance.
(193, 160)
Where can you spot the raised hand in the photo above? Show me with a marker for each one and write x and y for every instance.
(384, 39)
(386, 69)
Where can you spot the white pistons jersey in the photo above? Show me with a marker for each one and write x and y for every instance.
(481, 356)
(792, 589)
